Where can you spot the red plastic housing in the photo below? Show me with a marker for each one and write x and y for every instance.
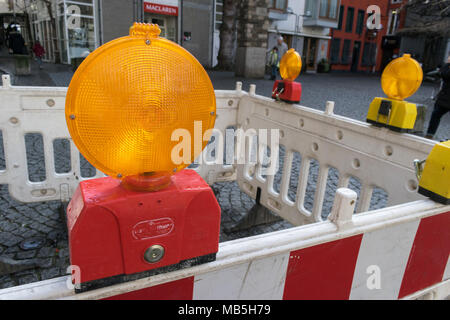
(110, 227)
(292, 91)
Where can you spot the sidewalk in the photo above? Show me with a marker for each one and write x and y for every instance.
(50, 75)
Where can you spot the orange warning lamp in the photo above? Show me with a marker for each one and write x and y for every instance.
(123, 105)
(287, 89)
(126, 99)
(401, 78)
(290, 65)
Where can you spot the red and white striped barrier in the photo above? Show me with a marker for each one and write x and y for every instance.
(407, 257)
(393, 253)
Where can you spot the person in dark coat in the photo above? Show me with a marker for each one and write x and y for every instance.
(442, 105)
(16, 42)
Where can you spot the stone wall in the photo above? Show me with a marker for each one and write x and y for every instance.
(253, 25)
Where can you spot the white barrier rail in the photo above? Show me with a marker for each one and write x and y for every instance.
(379, 158)
(330, 259)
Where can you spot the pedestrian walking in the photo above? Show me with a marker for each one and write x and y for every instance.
(39, 52)
(16, 42)
(442, 105)
(273, 63)
(282, 47)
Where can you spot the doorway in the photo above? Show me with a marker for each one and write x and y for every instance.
(355, 56)
(310, 53)
(167, 24)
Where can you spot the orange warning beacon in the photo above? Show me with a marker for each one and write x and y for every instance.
(287, 89)
(123, 104)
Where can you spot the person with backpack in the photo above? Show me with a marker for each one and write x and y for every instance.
(273, 62)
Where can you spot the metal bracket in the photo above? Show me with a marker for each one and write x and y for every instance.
(385, 110)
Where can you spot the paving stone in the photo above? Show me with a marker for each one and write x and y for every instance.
(29, 278)
(63, 253)
(46, 252)
(6, 284)
(44, 262)
(50, 273)
(26, 254)
(8, 226)
(52, 223)
(8, 239)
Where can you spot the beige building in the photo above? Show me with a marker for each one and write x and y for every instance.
(80, 26)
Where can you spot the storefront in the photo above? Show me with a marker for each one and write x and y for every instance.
(76, 28)
(165, 13)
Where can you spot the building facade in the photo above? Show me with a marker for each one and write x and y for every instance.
(305, 26)
(423, 32)
(354, 46)
(391, 41)
(80, 26)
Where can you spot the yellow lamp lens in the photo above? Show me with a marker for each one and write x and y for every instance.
(129, 95)
(401, 78)
(290, 65)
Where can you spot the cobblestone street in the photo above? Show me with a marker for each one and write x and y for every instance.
(35, 238)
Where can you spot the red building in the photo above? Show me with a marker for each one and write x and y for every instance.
(396, 21)
(353, 46)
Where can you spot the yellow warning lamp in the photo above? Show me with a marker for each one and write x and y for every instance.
(434, 178)
(126, 99)
(290, 65)
(401, 78)
(287, 90)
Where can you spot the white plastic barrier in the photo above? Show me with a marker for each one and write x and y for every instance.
(41, 110)
(397, 243)
(379, 158)
(401, 252)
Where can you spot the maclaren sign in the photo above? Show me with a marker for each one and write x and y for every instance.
(160, 8)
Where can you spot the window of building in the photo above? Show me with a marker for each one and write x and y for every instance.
(335, 50)
(393, 22)
(369, 52)
(328, 9)
(360, 22)
(219, 13)
(279, 4)
(76, 30)
(341, 17)
(346, 56)
(349, 22)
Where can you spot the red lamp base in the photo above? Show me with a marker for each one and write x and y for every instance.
(115, 231)
(287, 91)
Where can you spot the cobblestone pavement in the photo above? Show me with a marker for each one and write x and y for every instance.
(25, 225)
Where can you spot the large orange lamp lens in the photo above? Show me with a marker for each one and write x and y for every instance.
(290, 65)
(128, 96)
(401, 78)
